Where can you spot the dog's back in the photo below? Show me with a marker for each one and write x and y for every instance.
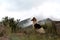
(37, 26)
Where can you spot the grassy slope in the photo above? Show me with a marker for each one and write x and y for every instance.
(32, 35)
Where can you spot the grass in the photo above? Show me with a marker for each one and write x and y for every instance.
(33, 36)
(30, 34)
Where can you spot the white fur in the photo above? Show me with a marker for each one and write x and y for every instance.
(41, 30)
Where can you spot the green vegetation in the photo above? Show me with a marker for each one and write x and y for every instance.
(10, 25)
(32, 35)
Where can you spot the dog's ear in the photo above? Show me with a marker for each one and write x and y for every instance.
(34, 19)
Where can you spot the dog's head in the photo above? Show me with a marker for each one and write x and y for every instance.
(34, 19)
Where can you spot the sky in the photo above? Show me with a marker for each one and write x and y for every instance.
(23, 9)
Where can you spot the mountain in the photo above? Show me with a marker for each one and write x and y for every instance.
(42, 22)
(25, 23)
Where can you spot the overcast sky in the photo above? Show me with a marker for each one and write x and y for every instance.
(22, 9)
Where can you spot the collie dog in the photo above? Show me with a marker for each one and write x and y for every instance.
(37, 26)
